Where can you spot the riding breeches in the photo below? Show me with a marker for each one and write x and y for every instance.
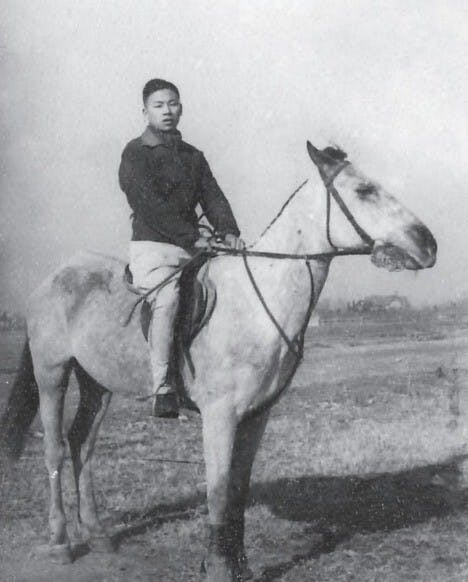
(151, 263)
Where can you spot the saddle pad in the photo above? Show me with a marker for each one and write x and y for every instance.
(197, 301)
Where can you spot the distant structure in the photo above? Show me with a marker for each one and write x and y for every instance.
(379, 304)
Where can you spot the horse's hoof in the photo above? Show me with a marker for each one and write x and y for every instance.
(57, 553)
(102, 544)
(61, 554)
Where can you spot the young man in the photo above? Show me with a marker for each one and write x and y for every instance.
(164, 179)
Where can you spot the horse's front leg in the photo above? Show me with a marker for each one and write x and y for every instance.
(219, 431)
(230, 450)
(248, 436)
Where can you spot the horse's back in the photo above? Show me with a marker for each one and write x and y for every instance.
(78, 309)
(82, 311)
(82, 274)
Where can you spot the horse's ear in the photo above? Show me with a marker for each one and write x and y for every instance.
(320, 158)
(326, 159)
(315, 154)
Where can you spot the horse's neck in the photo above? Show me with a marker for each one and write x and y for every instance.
(300, 229)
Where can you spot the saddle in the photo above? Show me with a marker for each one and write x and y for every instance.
(197, 302)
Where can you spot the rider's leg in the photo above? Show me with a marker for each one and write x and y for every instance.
(164, 307)
(151, 263)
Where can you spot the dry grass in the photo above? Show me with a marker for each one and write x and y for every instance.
(355, 479)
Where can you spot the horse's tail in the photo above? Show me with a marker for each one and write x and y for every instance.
(22, 407)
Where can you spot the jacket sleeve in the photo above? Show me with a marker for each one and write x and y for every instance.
(147, 194)
(214, 203)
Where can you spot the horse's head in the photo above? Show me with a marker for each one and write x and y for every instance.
(363, 214)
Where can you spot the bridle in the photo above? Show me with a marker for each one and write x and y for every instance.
(215, 251)
(295, 345)
(328, 182)
(331, 192)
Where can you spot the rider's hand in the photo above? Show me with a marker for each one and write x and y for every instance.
(203, 243)
(234, 242)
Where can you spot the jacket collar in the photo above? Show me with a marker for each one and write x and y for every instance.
(152, 138)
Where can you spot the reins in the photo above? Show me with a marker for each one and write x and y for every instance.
(162, 284)
(217, 251)
(293, 345)
(296, 345)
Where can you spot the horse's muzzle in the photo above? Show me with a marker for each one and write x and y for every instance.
(425, 245)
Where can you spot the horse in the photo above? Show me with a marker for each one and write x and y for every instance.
(241, 360)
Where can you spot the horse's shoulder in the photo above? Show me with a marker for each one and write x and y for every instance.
(224, 269)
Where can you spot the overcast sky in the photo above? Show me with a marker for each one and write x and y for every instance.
(386, 80)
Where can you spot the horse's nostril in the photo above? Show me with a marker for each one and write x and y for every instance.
(424, 238)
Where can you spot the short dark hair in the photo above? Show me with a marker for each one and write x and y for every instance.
(156, 85)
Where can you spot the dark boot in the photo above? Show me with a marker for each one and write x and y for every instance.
(166, 405)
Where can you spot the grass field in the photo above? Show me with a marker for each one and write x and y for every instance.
(360, 476)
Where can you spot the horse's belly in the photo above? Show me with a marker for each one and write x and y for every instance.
(114, 354)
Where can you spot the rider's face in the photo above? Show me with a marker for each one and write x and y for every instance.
(162, 110)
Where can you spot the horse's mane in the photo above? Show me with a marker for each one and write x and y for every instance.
(335, 153)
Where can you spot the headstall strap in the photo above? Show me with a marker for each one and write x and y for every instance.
(296, 346)
(332, 191)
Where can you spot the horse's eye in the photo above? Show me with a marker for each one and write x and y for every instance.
(365, 190)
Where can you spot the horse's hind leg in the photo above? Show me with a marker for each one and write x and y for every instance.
(94, 400)
(52, 382)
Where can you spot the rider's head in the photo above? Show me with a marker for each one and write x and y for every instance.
(161, 105)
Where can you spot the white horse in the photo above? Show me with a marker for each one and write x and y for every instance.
(244, 357)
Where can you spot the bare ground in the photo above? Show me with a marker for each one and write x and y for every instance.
(360, 477)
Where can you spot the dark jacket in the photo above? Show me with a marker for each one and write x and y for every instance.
(164, 179)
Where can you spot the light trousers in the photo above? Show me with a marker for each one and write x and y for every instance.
(150, 263)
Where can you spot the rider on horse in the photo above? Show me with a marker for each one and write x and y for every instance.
(164, 178)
